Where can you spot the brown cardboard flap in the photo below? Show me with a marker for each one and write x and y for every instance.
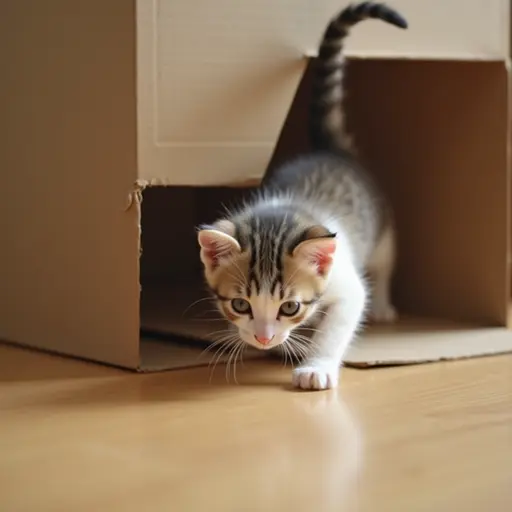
(440, 150)
(70, 234)
(179, 311)
(420, 340)
(206, 131)
(436, 135)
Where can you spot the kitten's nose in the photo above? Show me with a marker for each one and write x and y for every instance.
(263, 340)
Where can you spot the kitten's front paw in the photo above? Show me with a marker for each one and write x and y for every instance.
(316, 377)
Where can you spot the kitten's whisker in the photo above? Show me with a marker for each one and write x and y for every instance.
(304, 339)
(213, 361)
(195, 303)
(289, 351)
(208, 319)
(219, 332)
(229, 328)
(300, 352)
(285, 353)
(238, 351)
(305, 352)
(222, 338)
(218, 354)
(213, 345)
(232, 361)
(300, 345)
(226, 338)
(205, 318)
(295, 352)
(232, 352)
(216, 310)
(244, 346)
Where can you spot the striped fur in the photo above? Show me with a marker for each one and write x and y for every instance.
(309, 236)
(327, 123)
(272, 232)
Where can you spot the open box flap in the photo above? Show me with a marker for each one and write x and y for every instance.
(70, 229)
(426, 340)
(222, 130)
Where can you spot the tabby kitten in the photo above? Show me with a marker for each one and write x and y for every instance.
(298, 252)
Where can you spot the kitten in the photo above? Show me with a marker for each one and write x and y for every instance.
(300, 249)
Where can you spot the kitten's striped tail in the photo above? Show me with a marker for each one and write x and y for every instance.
(327, 120)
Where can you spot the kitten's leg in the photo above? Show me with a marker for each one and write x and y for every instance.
(381, 267)
(321, 368)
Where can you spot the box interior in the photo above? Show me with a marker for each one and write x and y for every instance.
(436, 133)
(420, 127)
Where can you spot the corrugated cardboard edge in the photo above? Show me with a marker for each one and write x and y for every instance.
(142, 184)
(397, 349)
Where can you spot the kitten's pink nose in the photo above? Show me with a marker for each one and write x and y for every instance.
(263, 340)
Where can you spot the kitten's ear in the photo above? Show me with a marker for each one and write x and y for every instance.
(216, 247)
(317, 252)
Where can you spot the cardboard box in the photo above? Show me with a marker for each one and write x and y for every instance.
(128, 121)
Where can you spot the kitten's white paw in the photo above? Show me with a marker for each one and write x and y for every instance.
(316, 377)
(383, 313)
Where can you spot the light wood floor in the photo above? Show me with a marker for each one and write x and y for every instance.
(78, 437)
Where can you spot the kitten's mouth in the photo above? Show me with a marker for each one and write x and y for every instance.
(265, 347)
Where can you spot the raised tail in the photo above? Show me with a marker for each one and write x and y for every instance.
(327, 121)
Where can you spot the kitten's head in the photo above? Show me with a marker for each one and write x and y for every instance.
(267, 274)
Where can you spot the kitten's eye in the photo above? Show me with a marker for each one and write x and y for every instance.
(289, 308)
(241, 306)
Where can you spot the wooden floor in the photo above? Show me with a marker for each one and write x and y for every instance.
(78, 437)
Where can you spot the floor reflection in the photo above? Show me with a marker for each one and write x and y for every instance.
(307, 450)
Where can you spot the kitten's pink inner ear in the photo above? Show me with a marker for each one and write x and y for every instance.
(216, 246)
(318, 252)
